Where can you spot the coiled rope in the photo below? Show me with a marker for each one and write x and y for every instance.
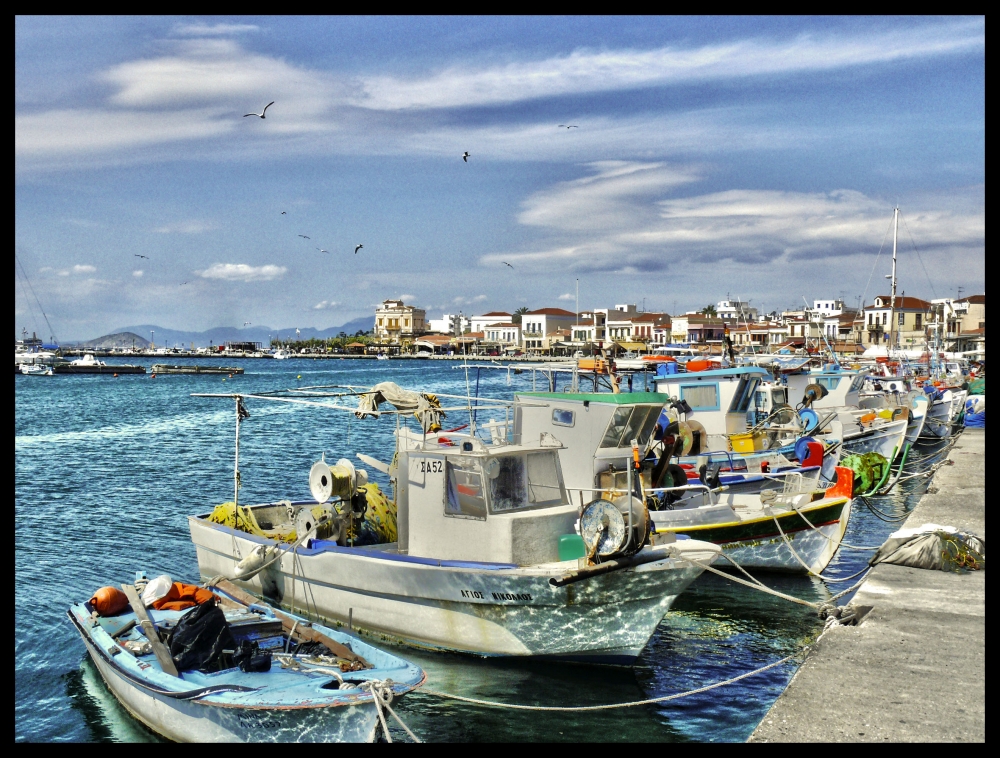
(610, 706)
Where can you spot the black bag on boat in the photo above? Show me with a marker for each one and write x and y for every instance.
(200, 639)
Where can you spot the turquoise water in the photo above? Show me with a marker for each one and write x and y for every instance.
(107, 470)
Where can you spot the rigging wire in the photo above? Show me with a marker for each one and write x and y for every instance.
(918, 256)
(52, 334)
(884, 238)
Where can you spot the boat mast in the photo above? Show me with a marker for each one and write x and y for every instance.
(892, 297)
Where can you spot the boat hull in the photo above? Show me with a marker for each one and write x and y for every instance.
(498, 611)
(756, 541)
(197, 721)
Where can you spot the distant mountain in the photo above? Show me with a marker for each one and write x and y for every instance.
(119, 339)
(163, 337)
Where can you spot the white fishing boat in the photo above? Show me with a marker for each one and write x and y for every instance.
(228, 668)
(280, 354)
(480, 550)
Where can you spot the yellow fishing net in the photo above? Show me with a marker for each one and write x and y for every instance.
(241, 518)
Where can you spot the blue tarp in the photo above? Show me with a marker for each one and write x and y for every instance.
(972, 418)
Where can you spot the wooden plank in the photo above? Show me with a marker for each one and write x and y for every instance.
(149, 628)
(306, 633)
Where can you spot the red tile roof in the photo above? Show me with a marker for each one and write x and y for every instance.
(550, 312)
(976, 299)
(902, 303)
(493, 313)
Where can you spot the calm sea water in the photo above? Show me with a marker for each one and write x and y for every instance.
(107, 469)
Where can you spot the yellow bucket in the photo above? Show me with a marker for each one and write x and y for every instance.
(741, 443)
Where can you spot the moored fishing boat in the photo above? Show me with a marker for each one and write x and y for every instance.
(470, 555)
(234, 669)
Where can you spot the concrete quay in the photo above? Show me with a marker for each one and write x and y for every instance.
(914, 668)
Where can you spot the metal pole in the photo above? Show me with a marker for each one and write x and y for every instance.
(892, 298)
(236, 468)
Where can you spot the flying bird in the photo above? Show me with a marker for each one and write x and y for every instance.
(183, 283)
(570, 126)
(507, 264)
(261, 114)
(247, 323)
(305, 237)
(283, 213)
(322, 250)
(141, 256)
(356, 248)
(465, 156)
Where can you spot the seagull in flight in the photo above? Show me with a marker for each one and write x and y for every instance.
(356, 248)
(570, 126)
(247, 323)
(322, 250)
(507, 264)
(261, 114)
(305, 237)
(465, 156)
(283, 213)
(141, 256)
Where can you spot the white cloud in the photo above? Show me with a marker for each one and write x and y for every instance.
(622, 219)
(206, 30)
(325, 305)
(241, 272)
(186, 227)
(404, 298)
(84, 269)
(137, 273)
(566, 296)
(466, 84)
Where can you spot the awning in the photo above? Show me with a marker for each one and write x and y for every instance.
(632, 345)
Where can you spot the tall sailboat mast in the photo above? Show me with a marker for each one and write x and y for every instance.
(892, 297)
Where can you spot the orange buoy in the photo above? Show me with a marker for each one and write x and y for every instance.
(116, 373)
(109, 601)
(153, 376)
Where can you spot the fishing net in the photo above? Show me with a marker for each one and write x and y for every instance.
(942, 548)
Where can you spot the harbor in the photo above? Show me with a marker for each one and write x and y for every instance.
(579, 380)
(715, 630)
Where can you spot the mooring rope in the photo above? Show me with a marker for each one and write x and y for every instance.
(609, 706)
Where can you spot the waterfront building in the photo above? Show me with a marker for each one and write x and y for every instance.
(912, 315)
(536, 325)
(397, 323)
(479, 323)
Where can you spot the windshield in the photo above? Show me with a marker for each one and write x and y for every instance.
(519, 482)
(631, 422)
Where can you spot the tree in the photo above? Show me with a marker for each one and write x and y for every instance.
(708, 310)
(516, 318)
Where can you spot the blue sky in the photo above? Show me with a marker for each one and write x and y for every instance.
(752, 157)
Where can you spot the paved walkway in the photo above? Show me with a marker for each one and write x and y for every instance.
(914, 669)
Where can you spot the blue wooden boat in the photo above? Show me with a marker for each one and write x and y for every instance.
(303, 682)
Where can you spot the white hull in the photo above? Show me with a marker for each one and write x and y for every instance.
(938, 423)
(194, 721)
(887, 440)
(761, 544)
(487, 612)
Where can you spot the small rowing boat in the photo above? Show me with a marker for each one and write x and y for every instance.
(217, 665)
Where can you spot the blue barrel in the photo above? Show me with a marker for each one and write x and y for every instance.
(810, 418)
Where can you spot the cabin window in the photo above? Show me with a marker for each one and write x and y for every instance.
(617, 426)
(544, 482)
(857, 382)
(563, 417)
(701, 397)
(465, 497)
(507, 489)
(779, 397)
(631, 423)
(830, 382)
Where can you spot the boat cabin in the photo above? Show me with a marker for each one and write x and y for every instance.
(460, 499)
(719, 399)
(842, 387)
(597, 429)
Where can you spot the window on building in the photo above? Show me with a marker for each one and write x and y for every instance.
(918, 321)
(901, 319)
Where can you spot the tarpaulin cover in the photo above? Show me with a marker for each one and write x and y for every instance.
(943, 548)
(426, 408)
(199, 639)
(975, 412)
(181, 596)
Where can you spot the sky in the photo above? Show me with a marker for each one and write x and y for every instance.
(666, 162)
